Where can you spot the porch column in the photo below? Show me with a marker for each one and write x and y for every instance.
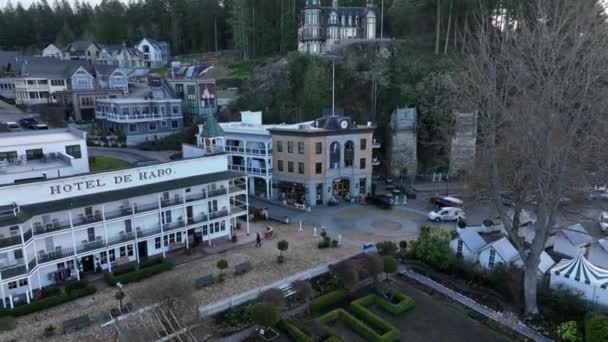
(29, 284)
(267, 188)
(162, 232)
(10, 300)
(247, 205)
(27, 296)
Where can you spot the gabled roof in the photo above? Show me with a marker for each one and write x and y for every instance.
(79, 46)
(577, 235)
(504, 248)
(346, 11)
(104, 70)
(156, 43)
(545, 263)
(603, 243)
(211, 128)
(472, 240)
(581, 270)
(52, 67)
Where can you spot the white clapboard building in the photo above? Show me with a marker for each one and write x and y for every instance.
(66, 228)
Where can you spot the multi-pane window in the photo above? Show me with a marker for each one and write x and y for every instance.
(8, 155)
(152, 126)
(112, 255)
(300, 147)
(22, 282)
(123, 251)
(174, 124)
(290, 147)
(363, 144)
(289, 166)
(103, 258)
(279, 146)
(130, 250)
(459, 247)
(74, 151)
(157, 243)
(362, 163)
(34, 154)
(319, 168)
(280, 165)
(301, 168)
(492, 258)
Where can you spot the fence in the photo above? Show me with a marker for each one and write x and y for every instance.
(233, 301)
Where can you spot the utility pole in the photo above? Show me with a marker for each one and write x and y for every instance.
(382, 20)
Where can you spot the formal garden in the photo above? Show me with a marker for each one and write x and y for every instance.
(355, 301)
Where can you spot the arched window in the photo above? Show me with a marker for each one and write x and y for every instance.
(349, 153)
(334, 155)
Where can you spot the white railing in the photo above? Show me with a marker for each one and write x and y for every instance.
(232, 301)
(121, 117)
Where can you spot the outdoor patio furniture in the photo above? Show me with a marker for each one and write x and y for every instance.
(204, 281)
(242, 268)
(75, 324)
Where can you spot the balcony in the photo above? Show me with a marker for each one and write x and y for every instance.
(198, 219)
(121, 238)
(142, 233)
(238, 188)
(10, 241)
(122, 212)
(27, 235)
(216, 193)
(174, 225)
(252, 170)
(141, 117)
(142, 208)
(90, 246)
(13, 271)
(56, 225)
(217, 214)
(22, 165)
(195, 196)
(82, 219)
(54, 255)
(249, 151)
(238, 210)
(376, 144)
(32, 264)
(169, 202)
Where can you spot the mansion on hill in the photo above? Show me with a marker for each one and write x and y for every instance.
(322, 27)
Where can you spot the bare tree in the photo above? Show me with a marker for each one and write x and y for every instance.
(540, 87)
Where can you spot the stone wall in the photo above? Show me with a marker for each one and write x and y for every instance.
(404, 143)
(464, 143)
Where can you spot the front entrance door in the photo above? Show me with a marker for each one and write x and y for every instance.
(341, 187)
(88, 264)
(142, 248)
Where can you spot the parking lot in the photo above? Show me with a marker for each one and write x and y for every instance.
(10, 113)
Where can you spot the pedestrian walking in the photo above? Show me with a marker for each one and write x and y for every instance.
(258, 240)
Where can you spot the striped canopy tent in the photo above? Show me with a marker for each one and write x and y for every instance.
(579, 275)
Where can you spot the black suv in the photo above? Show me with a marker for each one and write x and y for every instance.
(382, 201)
(29, 123)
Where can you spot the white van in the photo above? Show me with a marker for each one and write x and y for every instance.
(447, 214)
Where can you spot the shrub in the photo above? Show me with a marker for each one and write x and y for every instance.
(392, 334)
(596, 327)
(323, 244)
(273, 297)
(222, 264)
(390, 265)
(72, 285)
(324, 234)
(346, 272)
(294, 332)
(282, 246)
(151, 262)
(234, 238)
(7, 323)
(403, 244)
(404, 303)
(137, 275)
(47, 302)
(52, 290)
(432, 247)
(386, 248)
(265, 315)
(568, 332)
(462, 224)
(373, 264)
(322, 302)
(334, 243)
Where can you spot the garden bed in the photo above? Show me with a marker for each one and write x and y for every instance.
(133, 273)
(52, 297)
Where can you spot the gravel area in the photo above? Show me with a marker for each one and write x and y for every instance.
(301, 255)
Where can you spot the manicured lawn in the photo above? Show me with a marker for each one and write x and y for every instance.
(106, 164)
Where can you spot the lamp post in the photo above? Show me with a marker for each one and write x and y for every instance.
(120, 295)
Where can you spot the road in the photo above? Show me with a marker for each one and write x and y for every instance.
(130, 155)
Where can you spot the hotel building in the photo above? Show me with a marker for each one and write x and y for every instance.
(42, 154)
(67, 228)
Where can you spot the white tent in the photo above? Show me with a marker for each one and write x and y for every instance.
(579, 275)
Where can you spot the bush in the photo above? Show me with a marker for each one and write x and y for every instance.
(322, 302)
(334, 243)
(391, 334)
(432, 247)
(323, 244)
(52, 290)
(137, 275)
(222, 264)
(390, 265)
(273, 297)
(234, 319)
(386, 248)
(294, 332)
(265, 315)
(47, 302)
(568, 332)
(151, 262)
(72, 285)
(402, 244)
(462, 224)
(596, 327)
(404, 303)
(346, 272)
(282, 246)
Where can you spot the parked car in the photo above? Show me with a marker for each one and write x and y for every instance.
(382, 201)
(598, 193)
(13, 126)
(29, 123)
(604, 221)
(42, 126)
(447, 214)
(446, 201)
